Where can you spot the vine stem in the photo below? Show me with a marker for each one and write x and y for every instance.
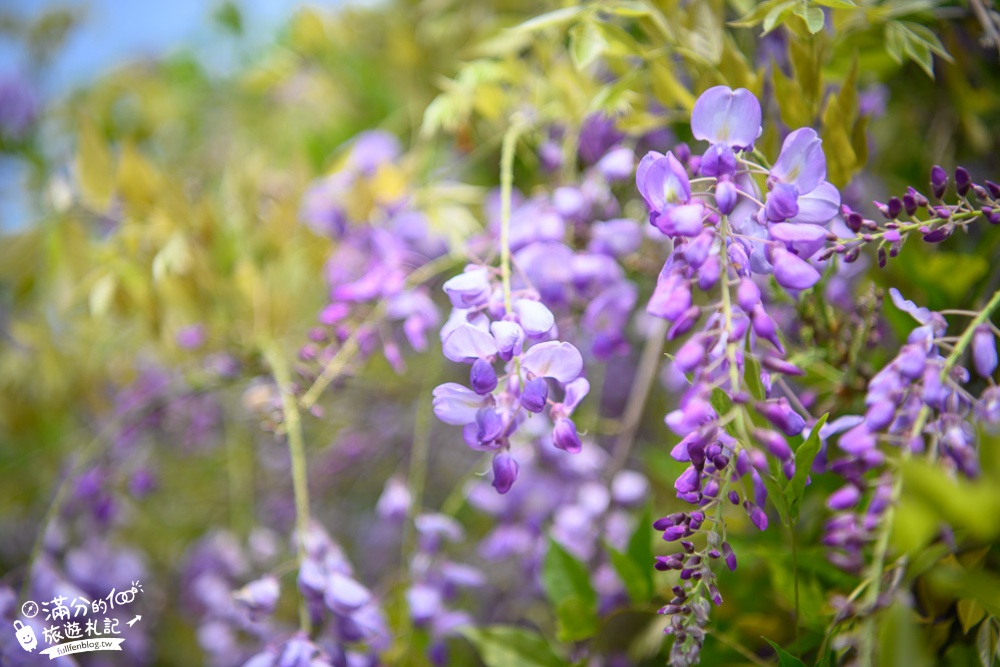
(648, 365)
(885, 528)
(296, 449)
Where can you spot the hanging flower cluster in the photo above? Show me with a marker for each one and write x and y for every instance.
(726, 237)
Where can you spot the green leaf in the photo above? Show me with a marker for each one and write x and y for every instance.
(804, 457)
(751, 376)
(785, 659)
(986, 643)
(567, 584)
(776, 495)
(586, 44)
(837, 4)
(506, 646)
(635, 565)
(970, 612)
(722, 404)
(773, 18)
(553, 18)
(813, 16)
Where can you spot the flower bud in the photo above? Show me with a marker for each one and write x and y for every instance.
(534, 395)
(505, 470)
(482, 377)
(984, 351)
(962, 181)
(939, 181)
(564, 436)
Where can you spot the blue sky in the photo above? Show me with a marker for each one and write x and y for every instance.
(114, 31)
(117, 31)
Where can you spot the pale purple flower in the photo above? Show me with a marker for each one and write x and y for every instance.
(467, 343)
(801, 162)
(724, 116)
(984, 351)
(458, 405)
(468, 289)
(558, 360)
(505, 471)
(791, 271)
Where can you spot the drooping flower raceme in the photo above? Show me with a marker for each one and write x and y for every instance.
(482, 334)
(737, 412)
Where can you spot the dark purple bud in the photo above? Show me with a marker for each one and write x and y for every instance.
(779, 365)
(686, 574)
(909, 204)
(994, 189)
(697, 250)
(684, 323)
(852, 255)
(844, 498)
(882, 257)
(505, 470)
(674, 533)
(534, 395)
(854, 221)
(748, 294)
(726, 196)
(488, 425)
(765, 327)
(709, 274)
(689, 481)
(782, 203)
(911, 361)
(720, 462)
(564, 436)
(718, 160)
(662, 563)
(734, 497)
(758, 517)
(942, 212)
(773, 443)
(665, 522)
(482, 377)
(895, 207)
(690, 355)
(687, 546)
(962, 181)
(780, 413)
(880, 414)
(713, 592)
(727, 552)
(939, 181)
(980, 191)
(713, 553)
(984, 351)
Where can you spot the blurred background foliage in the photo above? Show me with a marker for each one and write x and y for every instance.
(164, 194)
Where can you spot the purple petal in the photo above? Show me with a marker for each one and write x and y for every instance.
(782, 202)
(791, 271)
(984, 351)
(617, 164)
(468, 289)
(535, 318)
(468, 343)
(819, 206)
(558, 360)
(921, 315)
(684, 220)
(805, 240)
(666, 184)
(509, 338)
(801, 162)
(505, 470)
(576, 391)
(722, 115)
(344, 594)
(458, 405)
